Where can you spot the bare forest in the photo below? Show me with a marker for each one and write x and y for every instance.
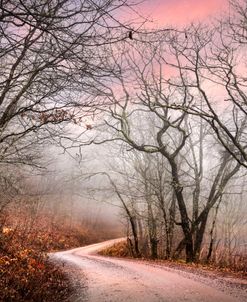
(112, 128)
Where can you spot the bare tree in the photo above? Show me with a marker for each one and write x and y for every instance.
(52, 59)
(144, 93)
(154, 185)
(177, 80)
(210, 65)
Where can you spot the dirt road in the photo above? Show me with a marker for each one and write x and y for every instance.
(120, 280)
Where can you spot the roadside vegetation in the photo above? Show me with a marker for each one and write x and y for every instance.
(26, 273)
(123, 250)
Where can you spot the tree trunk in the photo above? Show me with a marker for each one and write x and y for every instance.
(154, 248)
(185, 223)
(172, 212)
(135, 235)
(199, 236)
(211, 245)
(152, 229)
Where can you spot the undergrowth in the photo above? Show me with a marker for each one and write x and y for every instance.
(26, 273)
(121, 249)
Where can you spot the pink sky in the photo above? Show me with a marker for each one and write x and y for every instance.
(180, 12)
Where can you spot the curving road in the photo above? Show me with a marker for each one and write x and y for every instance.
(119, 280)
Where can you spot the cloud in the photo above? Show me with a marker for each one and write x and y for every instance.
(180, 12)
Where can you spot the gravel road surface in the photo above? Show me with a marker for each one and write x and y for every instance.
(105, 279)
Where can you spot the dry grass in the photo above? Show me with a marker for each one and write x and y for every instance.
(119, 249)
